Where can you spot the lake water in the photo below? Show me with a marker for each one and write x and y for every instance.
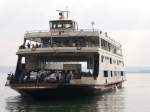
(133, 97)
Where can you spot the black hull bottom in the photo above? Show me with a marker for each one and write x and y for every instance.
(67, 90)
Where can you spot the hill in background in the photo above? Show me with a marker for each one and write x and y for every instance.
(137, 69)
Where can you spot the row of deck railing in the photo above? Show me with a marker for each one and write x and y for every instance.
(40, 31)
(58, 45)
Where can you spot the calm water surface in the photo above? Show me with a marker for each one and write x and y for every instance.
(133, 97)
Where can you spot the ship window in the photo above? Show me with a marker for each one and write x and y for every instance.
(102, 58)
(103, 43)
(76, 41)
(115, 50)
(105, 73)
(54, 26)
(111, 73)
(122, 73)
(109, 46)
(67, 25)
(59, 25)
(23, 60)
(110, 60)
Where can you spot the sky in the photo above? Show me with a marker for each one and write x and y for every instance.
(126, 21)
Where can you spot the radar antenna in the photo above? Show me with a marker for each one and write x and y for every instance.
(61, 14)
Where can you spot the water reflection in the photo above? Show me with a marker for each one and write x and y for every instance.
(109, 102)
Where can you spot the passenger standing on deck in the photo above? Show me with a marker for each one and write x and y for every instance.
(37, 79)
(57, 76)
(60, 76)
(36, 45)
(28, 45)
(68, 76)
(71, 75)
(65, 76)
(33, 46)
(39, 45)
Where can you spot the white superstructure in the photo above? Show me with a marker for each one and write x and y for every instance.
(64, 47)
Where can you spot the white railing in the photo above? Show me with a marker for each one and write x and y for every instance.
(91, 30)
(37, 31)
(42, 31)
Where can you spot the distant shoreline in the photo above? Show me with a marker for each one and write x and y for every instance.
(137, 72)
(137, 69)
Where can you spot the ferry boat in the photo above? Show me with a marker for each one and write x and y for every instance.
(66, 60)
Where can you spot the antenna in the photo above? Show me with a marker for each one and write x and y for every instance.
(93, 23)
(67, 12)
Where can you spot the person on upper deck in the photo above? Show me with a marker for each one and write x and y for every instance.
(36, 45)
(33, 46)
(28, 45)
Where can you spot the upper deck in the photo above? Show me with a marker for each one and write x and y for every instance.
(68, 40)
(64, 36)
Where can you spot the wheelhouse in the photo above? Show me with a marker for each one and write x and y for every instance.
(62, 24)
